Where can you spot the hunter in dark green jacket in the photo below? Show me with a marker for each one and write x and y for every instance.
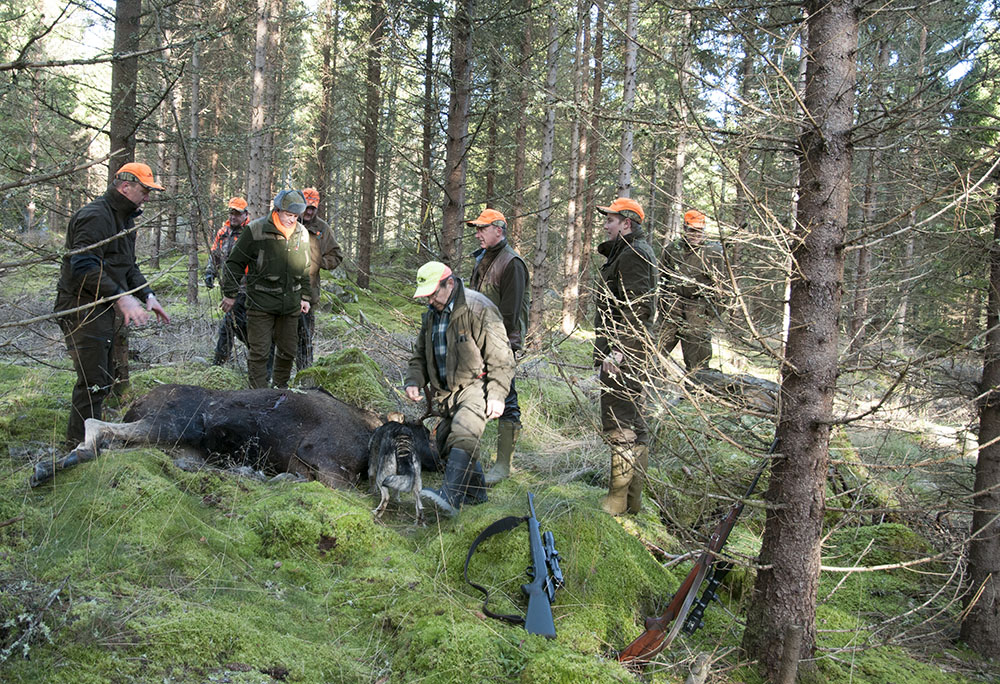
(626, 309)
(274, 253)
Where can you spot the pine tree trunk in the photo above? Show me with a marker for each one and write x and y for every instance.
(540, 272)
(195, 222)
(981, 628)
(785, 593)
(458, 128)
(373, 71)
(592, 154)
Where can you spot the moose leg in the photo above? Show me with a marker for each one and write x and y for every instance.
(96, 434)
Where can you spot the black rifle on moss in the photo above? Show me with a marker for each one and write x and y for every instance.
(544, 571)
(655, 638)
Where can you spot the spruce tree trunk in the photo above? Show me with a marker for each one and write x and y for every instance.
(124, 72)
(427, 138)
(373, 99)
(981, 628)
(785, 593)
(515, 222)
(577, 176)
(259, 174)
(540, 272)
(675, 223)
(329, 39)
(628, 100)
(458, 128)
(592, 155)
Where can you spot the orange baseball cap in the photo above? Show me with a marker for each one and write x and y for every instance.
(429, 276)
(238, 203)
(489, 217)
(138, 173)
(627, 207)
(312, 197)
(694, 218)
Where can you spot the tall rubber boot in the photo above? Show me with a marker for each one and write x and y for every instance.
(616, 501)
(475, 494)
(457, 473)
(641, 452)
(507, 433)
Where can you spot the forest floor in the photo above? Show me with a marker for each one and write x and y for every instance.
(129, 569)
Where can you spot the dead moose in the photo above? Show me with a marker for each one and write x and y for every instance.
(306, 432)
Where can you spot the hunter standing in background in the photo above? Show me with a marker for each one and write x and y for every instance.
(687, 289)
(462, 353)
(234, 321)
(100, 264)
(502, 276)
(273, 252)
(324, 253)
(626, 305)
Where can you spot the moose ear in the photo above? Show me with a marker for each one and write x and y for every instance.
(394, 418)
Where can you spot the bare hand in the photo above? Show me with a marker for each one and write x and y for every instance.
(412, 392)
(494, 408)
(610, 363)
(305, 306)
(131, 310)
(154, 306)
(227, 304)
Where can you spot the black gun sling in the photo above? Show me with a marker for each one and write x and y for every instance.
(502, 525)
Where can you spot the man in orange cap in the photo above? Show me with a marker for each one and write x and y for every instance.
(463, 356)
(234, 321)
(99, 273)
(626, 306)
(325, 253)
(502, 276)
(688, 276)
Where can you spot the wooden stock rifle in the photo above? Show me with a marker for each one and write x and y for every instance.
(655, 638)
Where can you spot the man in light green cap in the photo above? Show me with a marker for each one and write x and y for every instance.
(463, 355)
(273, 251)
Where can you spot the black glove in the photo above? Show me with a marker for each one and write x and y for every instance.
(209, 281)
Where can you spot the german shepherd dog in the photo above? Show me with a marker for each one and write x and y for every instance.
(395, 451)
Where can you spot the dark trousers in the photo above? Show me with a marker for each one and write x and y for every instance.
(232, 327)
(511, 410)
(621, 404)
(90, 343)
(262, 330)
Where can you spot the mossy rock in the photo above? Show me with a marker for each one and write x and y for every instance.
(350, 375)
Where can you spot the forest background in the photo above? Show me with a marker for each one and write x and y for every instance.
(857, 221)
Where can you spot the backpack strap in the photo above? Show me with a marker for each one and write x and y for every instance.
(502, 525)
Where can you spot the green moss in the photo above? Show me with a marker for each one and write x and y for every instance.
(349, 375)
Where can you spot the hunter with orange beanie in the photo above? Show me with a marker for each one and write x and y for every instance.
(234, 322)
(324, 253)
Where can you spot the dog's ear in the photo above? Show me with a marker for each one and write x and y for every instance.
(394, 417)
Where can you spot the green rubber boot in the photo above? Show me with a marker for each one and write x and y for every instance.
(622, 469)
(507, 433)
(641, 460)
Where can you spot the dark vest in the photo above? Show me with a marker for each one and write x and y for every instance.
(490, 265)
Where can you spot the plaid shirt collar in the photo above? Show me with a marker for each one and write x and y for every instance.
(439, 326)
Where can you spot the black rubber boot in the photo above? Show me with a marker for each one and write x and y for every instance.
(457, 474)
(475, 494)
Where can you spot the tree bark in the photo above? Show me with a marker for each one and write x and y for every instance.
(329, 40)
(577, 177)
(628, 99)
(674, 224)
(458, 128)
(540, 273)
(259, 175)
(981, 627)
(785, 593)
(592, 153)
(515, 222)
(427, 138)
(124, 73)
(373, 105)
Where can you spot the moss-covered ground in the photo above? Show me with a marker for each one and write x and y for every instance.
(129, 569)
